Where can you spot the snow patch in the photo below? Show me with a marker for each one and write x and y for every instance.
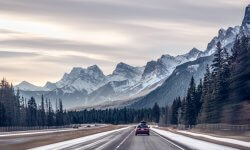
(65, 144)
(190, 142)
(193, 68)
(227, 140)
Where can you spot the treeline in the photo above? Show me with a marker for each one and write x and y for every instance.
(115, 116)
(17, 111)
(223, 96)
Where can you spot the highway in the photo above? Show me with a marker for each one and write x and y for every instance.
(124, 139)
(109, 138)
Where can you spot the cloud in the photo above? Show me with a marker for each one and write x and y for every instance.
(68, 33)
(8, 54)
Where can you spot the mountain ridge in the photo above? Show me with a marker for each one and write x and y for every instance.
(125, 80)
(90, 85)
(177, 83)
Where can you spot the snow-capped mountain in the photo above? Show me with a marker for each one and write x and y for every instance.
(166, 77)
(225, 37)
(26, 86)
(165, 65)
(156, 72)
(50, 86)
(91, 86)
(83, 79)
(177, 83)
(126, 72)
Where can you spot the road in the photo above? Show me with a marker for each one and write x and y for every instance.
(106, 138)
(119, 140)
(144, 142)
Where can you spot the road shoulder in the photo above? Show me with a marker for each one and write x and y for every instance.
(31, 141)
(206, 139)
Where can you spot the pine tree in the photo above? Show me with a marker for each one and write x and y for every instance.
(192, 103)
(50, 115)
(2, 115)
(17, 107)
(32, 112)
(42, 112)
(23, 112)
(156, 112)
(205, 97)
(59, 114)
(239, 83)
(217, 85)
(167, 115)
(184, 109)
(175, 111)
(198, 97)
(10, 102)
(240, 79)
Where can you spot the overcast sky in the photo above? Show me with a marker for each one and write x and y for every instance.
(40, 40)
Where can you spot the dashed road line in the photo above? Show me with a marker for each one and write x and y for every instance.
(168, 141)
(124, 140)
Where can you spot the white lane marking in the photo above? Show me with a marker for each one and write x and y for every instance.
(112, 139)
(168, 140)
(124, 140)
(69, 143)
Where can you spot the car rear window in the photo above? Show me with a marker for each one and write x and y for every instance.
(143, 126)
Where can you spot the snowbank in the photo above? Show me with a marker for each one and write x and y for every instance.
(227, 140)
(65, 144)
(46, 131)
(32, 132)
(190, 142)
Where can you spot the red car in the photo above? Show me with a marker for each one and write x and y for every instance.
(142, 128)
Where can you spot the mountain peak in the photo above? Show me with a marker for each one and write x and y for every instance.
(95, 71)
(246, 19)
(76, 70)
(93, 67)
(25, 83)
(126, 71)
(167, 56)
(194, 50)
(26, 86)
(122, 65)
(221, 32)
(50, 86)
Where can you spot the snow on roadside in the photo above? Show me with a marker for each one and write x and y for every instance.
(46, 131)
(19, 133)
(68, 143)
(190, 142)
(227, 140)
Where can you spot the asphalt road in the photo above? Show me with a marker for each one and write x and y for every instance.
(126, 140)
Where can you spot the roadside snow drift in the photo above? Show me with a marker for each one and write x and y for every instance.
(227, 140)
(190, 142)
(65, 144)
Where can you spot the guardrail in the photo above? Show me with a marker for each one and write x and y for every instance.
(24, 128)
(222, 127)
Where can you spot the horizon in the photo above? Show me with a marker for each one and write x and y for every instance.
(59, 42)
